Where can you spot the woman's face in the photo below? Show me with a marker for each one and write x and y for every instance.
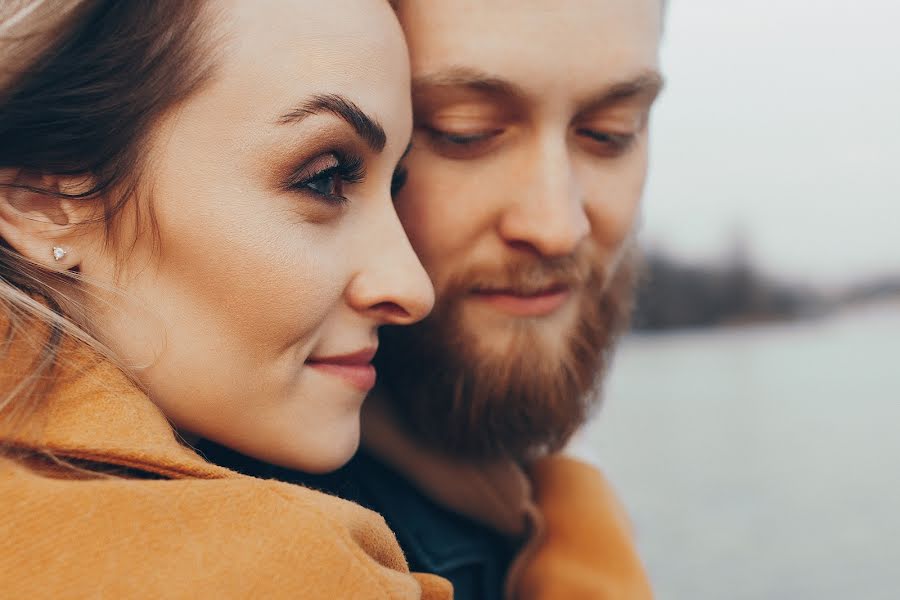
(253, 320)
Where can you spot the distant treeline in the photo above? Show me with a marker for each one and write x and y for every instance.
(677, 295)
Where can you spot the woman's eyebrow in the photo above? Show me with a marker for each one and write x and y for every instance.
(365, 126)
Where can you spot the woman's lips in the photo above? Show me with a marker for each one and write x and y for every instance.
(538, 304)
(356, 368)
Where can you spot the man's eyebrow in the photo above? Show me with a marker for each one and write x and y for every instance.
(364, 125)
(469, 78)
(645, 86)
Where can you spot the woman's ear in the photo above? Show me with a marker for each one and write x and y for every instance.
(38, 218)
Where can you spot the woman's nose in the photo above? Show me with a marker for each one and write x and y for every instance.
(392, 287)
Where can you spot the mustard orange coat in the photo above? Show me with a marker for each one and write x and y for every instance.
(163, 522)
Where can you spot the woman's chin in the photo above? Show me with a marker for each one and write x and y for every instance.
(313, 449)
(331, 455)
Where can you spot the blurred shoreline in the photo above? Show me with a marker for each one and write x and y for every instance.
(676, 295)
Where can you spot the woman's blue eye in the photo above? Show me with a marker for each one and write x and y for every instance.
(326, 176)
(326, 183)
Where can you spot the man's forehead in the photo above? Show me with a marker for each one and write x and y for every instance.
(577, 46)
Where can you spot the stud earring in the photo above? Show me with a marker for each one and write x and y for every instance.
(59, 253)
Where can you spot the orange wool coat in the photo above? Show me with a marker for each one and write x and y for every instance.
(166, 523)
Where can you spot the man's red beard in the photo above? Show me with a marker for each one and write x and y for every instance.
(465, 400)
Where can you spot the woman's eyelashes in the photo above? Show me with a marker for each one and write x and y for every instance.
(325, 176)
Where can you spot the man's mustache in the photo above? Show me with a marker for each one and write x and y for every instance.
(525, 276)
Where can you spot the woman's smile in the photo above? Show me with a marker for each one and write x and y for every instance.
(354, 368)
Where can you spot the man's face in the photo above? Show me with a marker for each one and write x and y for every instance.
(528, 165)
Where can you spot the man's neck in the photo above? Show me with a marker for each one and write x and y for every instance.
(495, 493)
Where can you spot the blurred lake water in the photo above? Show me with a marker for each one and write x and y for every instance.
(760, 462)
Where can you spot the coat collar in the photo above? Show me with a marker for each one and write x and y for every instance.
(92, 412)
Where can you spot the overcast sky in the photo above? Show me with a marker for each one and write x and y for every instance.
(780, 120)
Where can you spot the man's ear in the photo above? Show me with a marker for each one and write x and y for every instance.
(38, 218)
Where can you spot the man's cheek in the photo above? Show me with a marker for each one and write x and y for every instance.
(612, 226)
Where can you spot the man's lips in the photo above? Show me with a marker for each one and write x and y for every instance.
(536, 304)
(356, 368)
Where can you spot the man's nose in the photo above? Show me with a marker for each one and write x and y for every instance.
(392, 287)
(545, 213)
